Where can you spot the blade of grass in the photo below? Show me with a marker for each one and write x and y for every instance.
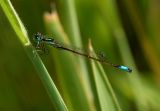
(111, 16)
(21, 32)
(74, 35)
(69, 74)
(107, 98)
(71, 22)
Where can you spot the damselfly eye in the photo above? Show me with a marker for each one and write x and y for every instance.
(38, 37)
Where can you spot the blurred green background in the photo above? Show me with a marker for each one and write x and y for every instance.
(127, 31)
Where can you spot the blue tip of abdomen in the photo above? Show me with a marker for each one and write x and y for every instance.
(124, 68)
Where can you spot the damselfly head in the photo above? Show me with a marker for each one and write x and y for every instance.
(38, 37)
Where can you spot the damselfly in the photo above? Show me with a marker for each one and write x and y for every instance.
(41, 40)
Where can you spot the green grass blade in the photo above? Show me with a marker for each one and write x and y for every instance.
(118, 31)
(72, 22)
(15, 21)
(75, 37)
(107, 98)
(21, 32)
(46, 80)
(73, 32)
(69, 73)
